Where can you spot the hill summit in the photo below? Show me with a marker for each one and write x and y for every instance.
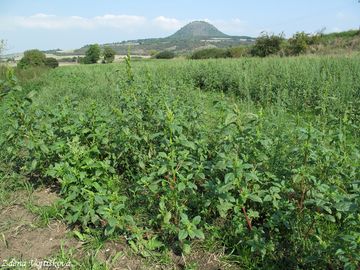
(196, 30)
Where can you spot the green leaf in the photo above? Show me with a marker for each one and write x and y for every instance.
(229, 177)
(182, 235)
(327, 209)
(153, 244)
(255, 198)
(268, 198)
(99, 199)
(44, 148)
(196, 220)
(199, 234)
(109, 230)
(80, 236)
(330, 218)
(33, 164)
(184, 218)
(162, 170)
(223, 208)
(186, 248)
(181, 186)
(112, 221)
(191, 233)
(133, 246)
(167, 217)
(230, 118)
(141, 165)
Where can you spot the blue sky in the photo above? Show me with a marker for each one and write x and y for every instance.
(27, 24)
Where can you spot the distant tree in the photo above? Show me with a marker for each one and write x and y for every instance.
(32, 58)
(2, 46)
(237, 52)
(109, 54)
(92, 55)
(211, 53)
(51, 62)
(267, 44)
(299, 43)
(153, 52)
(165, 55)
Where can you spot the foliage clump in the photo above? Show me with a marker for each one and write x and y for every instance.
(109, 54)
(51, 62)
(211, 53)
(32, 58)
(165, 55)
(92, 55)
(267, 44)
(36, 58)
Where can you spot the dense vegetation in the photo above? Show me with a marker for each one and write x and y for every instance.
(165, 55)
(36, 58)
(211, 53)
(109, 54)
(300, 43)
(259, 156)
(92, 55)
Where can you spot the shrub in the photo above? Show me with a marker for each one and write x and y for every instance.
(51, 62)
(32, 58)
(68, 59)
(211, 53)
(267, 44)
(298, 43)
(153, 52)
(92, 55)
(165, 55)
(237, 52)
(109, 54)
(2, 46)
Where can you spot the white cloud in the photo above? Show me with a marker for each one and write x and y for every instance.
(168, 23)
(119, 21)
(45, 21)
(126, 23)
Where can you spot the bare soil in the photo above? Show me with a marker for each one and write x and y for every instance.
(23, 238)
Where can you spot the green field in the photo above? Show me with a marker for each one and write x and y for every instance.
(259, 158)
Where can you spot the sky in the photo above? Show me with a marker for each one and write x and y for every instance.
(65, 24)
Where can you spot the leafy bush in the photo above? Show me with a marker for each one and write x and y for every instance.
(300, 42)
(92, 55)
(51, 62)
(2, 46)
(32, 58)
(73, 59)
(237, 52)
(165, 55)
(109, 54)
(211, 53)
(267, 44)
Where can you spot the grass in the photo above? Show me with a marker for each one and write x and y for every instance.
(258, 158)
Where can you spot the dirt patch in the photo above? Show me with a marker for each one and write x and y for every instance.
(115, 256)
(45, 197)
(22, 238)
(35, 243)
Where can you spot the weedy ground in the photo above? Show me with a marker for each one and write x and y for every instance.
(216, 164)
